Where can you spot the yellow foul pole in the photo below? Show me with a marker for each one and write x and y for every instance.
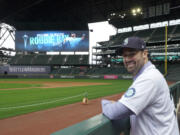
(165, 64)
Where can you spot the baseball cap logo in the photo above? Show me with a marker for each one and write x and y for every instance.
(125, 41)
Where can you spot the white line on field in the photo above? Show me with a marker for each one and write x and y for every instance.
(16, 107)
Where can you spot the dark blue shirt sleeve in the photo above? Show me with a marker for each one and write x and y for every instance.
(115, 110)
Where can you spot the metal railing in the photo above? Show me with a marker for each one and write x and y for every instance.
(175, 92)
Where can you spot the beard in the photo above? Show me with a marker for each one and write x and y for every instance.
(133, 67)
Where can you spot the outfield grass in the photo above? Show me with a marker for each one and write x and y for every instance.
(17, 102)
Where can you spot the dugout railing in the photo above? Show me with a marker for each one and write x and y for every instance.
(101, 125)
(175, 92)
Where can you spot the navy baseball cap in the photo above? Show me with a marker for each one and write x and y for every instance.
(132, 42)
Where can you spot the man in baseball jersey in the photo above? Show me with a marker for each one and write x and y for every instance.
(147, 101)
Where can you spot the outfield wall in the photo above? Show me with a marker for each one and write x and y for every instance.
(112, 77)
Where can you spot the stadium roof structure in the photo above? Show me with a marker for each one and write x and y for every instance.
(64, 14)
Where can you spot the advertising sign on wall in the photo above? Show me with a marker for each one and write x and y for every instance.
(110, 77)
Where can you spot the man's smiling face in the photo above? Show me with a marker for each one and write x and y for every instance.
(134, 59)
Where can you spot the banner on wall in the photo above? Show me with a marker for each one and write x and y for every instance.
(28, 70)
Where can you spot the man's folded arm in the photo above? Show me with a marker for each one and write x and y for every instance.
(115, 110)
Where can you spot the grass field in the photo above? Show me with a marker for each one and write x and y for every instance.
(19, 101)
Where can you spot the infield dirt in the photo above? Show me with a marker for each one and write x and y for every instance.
(51, 84)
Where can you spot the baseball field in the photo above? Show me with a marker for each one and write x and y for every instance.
(21, 96)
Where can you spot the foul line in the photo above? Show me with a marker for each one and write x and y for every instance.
(17, 107)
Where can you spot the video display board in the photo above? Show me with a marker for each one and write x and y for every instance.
(52, 41)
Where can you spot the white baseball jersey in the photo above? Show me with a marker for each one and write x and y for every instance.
(149, 98)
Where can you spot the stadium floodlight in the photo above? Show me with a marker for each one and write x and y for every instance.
(136, 11)
(122, 17)
(133, 11)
